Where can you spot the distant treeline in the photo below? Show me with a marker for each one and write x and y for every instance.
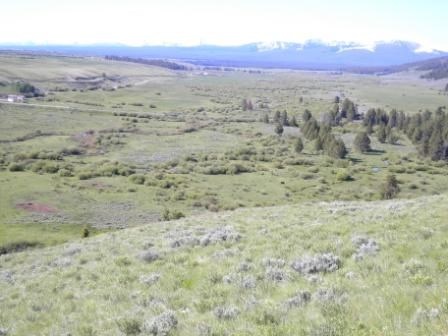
(154, 62)
(436, 68)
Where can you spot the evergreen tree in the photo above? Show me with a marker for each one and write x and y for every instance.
(335, 148)
(362, 142)
(266, 118)
(393, 117)
(348, 109)
(381, 134)
(244, 104)
(278, 129)
(370, 118)
(311, 129)
(293, 122)
(284, 118)
(298, 145)
(351, 112)
(390, 188)
(277, 117)
(401, 120)
(436, 146)
(417, 135)
(306, 115)
(318, 144)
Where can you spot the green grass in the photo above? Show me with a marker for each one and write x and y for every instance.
(383, 293)
(41, 233)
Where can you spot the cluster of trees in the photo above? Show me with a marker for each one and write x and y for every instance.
(427, 130)
(385, 123)
(27, 89)
(154, 62)
(246, 105)
(281, 119)
(340, 111)
(323, 139)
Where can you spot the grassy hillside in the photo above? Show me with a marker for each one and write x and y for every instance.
(338, 268)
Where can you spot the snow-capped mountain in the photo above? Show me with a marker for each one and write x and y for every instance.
(312, 54)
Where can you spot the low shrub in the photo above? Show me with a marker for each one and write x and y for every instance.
(343, 176)
(137, 179)
(130, 327)
(16, 167)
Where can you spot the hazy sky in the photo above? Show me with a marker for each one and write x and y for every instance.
(226, 22)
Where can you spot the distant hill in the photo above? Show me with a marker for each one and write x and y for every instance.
(434, 68)
(438, 68)
(311, 55)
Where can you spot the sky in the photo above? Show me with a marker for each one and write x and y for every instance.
(223, 22)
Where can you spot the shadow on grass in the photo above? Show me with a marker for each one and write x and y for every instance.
(375, 152)
(18, 246)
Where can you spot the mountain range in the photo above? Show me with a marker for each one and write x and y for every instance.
(311, 55)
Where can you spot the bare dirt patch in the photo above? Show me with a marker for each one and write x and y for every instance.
(86, 139)
(36, 207)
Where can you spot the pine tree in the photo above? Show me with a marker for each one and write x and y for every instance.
(293, 122)
(306, 115)
(298, 146)
(351, 112)
(436, 146)
(318, 144)
(277, 117)
(278, 129)
(381, 134)
(370, 118)
(284, 118)
(244, 104)
(250, 106)
(390, 188)
(393, 117)
(266, 118)
(311, 129)
(401, 120)
(362, 142)
(334, 147)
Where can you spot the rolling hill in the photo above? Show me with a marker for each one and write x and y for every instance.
(311, 55)
(339, 268)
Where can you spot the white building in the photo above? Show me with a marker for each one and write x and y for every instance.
(16, 98)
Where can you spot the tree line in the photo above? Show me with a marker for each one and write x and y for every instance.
(427, 130)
